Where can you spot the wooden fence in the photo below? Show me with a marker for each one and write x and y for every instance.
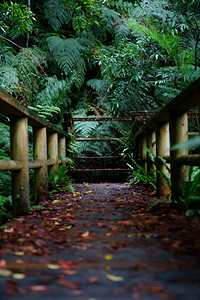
(164, 130)
(49, 147)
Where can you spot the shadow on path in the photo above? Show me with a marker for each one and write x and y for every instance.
(100, 243)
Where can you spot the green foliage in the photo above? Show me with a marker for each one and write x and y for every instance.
(139, 175)
(5, 177)
(191, 195)
(4, 141)
(68, 55)
(57, 12)
(127, 75)
(21, 73)
(5, 208)
(60, 181)
(190, 144)
(15, 20)
(79, 15)
(98, 129)
(45, 111)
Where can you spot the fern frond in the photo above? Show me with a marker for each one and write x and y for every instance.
(55, 92)
(98, 84)
(8, 78)
(29, 63)
(121, 32)
(68, 55)
(57, 13)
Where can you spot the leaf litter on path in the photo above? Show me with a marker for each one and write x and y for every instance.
(139, 245)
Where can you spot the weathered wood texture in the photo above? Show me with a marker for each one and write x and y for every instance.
(49, 145)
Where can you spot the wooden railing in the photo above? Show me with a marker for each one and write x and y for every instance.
(164, 130)
(49, 147)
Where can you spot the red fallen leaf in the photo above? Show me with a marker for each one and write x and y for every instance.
(2, 263)
(93, 279)
(85, 234)
(66, 265)
(125, 222)
(68, 215)
(38, 288)
(12, 283)
(71, 285)
(108, 234)
(120, 291)
(11, 291)
(69, 272)
(88, 192)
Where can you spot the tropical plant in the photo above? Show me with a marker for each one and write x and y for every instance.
(5, 208)
(191, 194)
(15, 20)
(60, 181)
(139, 174)
(20, 74)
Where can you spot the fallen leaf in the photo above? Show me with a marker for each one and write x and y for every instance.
(69, 272)
(53, 267)
(2, 263)
(85, 234)
(18, 275)
(19, 253)
(66, 265)
(93, 279)
(108, 256)
(38, 288)
(68, 284)
(88, 192)
(12, 283)
(5, 272)
(9, 230)
(58, 202)
(114, 278)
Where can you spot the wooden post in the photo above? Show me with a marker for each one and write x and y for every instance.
(40, 153)
(178, 134)
(162, 149)
(151, 144)
(20, 178)
(144, 151)
(62, 149)
(53, 151)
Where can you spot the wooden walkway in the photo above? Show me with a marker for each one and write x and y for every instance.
(100, 243)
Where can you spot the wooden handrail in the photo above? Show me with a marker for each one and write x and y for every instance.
(49, 144)
(165, 129)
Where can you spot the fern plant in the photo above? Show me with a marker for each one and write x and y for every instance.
(21, 73)
(98, 129)
(68, 55)
(60, 181)
(5, 208)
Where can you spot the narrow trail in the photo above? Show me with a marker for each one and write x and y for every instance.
(101, 243)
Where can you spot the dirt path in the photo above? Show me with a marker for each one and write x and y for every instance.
(100, 243)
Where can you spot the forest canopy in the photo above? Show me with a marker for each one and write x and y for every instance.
(98, 57)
